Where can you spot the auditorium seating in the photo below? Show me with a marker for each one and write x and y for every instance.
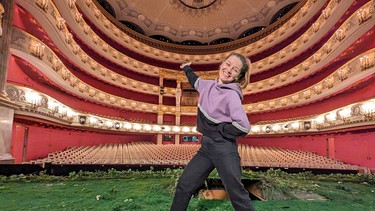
(149, 153)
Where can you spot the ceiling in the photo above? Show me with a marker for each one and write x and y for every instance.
(199, 20)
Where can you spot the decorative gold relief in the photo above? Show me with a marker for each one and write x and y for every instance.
(318, 89)
(1, 19)
(43, 4)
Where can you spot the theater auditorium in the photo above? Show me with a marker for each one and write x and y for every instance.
(97, 84)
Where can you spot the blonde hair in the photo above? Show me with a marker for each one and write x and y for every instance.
(243, 78)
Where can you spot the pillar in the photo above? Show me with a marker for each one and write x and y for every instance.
(6, 106)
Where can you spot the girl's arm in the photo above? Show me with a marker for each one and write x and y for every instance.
(191, 76)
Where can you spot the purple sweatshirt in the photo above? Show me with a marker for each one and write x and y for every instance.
(220, 111)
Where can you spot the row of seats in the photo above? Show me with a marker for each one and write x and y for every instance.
(152, 154)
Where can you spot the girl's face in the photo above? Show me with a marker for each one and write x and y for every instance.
(229, 69)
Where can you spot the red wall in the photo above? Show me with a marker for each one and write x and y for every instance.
(41, 141)
(351, 148)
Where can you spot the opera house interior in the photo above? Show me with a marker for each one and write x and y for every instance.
(99, 81)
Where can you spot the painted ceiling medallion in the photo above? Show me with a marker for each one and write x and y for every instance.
(197, 7)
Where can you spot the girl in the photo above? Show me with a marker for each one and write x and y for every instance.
(221, 119)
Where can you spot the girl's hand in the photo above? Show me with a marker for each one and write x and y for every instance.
(185, 64)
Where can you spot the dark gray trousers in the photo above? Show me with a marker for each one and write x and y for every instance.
(222, 155)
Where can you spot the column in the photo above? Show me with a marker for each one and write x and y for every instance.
(6, 106)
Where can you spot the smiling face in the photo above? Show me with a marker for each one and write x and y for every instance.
(230, 69)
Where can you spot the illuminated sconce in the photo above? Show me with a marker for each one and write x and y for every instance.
(63, 111)
(116, 32)
(97, 12)
(317, 57)
(84, 57)
(71, 3)
(331, 117)
(60, 23)
(68, 37)
(112, 99)
(33, 99)
(283, 77)
(78, 17)
(294, 72)
(320, 120)
(76, 48)
(260, 106)
(295, 126)
(113, 76)
(344, 114)
(53, 107)
(115, 54)
(366, 62)
(73, 81)
(342, 73)
(82, 87)
(305, 38)
(106, 23)
(176, 129)
(282, 54)
(103, 71)
(306, 65)
(95, 39)
(260, 44)
(283, 102)
(271, 81)
(340, 34)
(282, 30)
(271, 104)
(102, 96)
(105, 47)
(134, 105)
(166, 128)
(147, 127)
(326, 13)
(109, 124)
(127, 126)
(93, 64)
(329, 82)
(260, 85)
(318, 89)
(294, 46)
(255, 129)
(293, 21)
(327, 47)
(70, 114)
(363, 15)
(56, 64)
(88, 2)
(123, 102)
(65, 74)
(92, 92)
(276, 128)
(271, 60)
(307, 94)
(185, 129)
(38, 50)
(93, 121)
(156, 128)
(315, 27)
(368, 109)
(43, 4)
(86, 29)
(295, 98)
